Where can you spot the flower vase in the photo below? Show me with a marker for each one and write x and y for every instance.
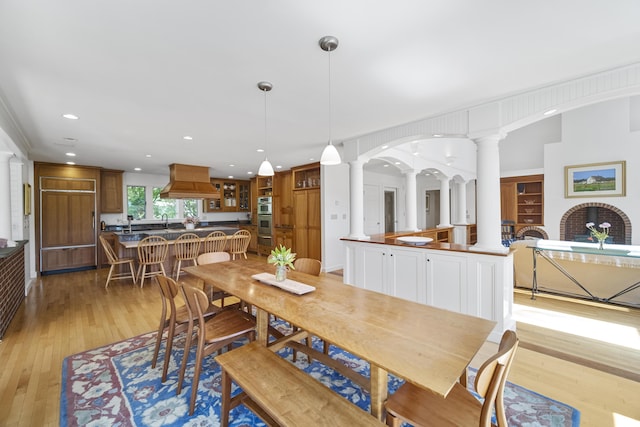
(601, 244)
(190, 226)
(281, 273)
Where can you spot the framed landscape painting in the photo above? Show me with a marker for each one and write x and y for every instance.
(595, 180)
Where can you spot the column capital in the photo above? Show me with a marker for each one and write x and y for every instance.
(488, 139)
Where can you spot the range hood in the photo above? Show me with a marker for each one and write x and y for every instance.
(189, 182)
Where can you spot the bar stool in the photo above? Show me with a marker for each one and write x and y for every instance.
(152, 251)
(186, 248)
(216, 241)
(115, 261)
(238, 243)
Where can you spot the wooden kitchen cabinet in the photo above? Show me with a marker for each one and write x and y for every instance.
(307, 224)
(284, 236)
(282, 200)
(111, 194)
(214, 204)
(229, 196)
(522, 200)
(306, 176)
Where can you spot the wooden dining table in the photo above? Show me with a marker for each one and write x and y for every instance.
(427, 346)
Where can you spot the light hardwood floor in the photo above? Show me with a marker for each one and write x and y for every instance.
(69, 313)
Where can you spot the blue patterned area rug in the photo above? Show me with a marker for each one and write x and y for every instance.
(115, 385)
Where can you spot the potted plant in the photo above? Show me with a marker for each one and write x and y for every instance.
(190, 222)
(283, 259)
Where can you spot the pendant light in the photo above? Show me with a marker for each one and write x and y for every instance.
(265, 167)
(330, 155)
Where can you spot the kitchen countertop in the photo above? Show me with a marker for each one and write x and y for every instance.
(392, 239)
(8, 251)
(131, 240)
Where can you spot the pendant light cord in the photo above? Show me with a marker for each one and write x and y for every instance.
(265, 122)
(329, 50)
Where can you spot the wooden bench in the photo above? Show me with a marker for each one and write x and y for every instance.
(281, 394)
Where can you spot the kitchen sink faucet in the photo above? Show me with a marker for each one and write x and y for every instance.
(165, 218)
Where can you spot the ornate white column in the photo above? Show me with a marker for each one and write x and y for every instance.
(461, 205)
(488, 194)
(445, 211)
(411, 200)
(356, 190)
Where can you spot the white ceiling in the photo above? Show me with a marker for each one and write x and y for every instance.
(142, 74)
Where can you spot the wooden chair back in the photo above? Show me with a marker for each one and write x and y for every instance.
(222, 330)
(153, 250)
(308, 265)
(491, 378)
(115, 261)
(172, 324)
(239, 242)
(216, 241)
(187, 246)
(420, 407)
(108, 251)
(213, 257)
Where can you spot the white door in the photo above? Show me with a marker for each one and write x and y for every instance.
(372, 210)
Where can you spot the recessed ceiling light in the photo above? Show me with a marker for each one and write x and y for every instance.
(548, 112)
(312, 159)
(70, 154)
(249, 173)
(278, 167)
(260, 150)
(397, 163)
(231, 165)
(230, 176)
(148, 155)
(70, 116)
(384, 147)
(68, 138)
(137, 169)
(188, 138)
(71, 163)
(437, 135)
(386, 165)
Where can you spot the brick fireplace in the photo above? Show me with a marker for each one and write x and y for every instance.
(572, 224)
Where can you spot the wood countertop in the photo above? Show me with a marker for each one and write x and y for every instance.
(392, 239)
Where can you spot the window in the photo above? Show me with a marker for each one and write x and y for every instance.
(168, 207)
(136, 201)
(190, 208)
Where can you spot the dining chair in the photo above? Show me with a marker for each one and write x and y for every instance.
(421, 407)
(152, 251)
(177, 320)
(115, 261)
(222, 330)
(186, 248)
(238, 243)
(308, 266)
(216, 241)
(210, 258)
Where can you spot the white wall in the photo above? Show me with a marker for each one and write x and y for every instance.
(335, 214)
(523, 149)
(593, 134)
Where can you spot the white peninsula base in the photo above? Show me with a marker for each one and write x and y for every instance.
(439, 274)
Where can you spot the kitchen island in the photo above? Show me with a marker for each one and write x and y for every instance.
(125, 244)
(445, 275)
